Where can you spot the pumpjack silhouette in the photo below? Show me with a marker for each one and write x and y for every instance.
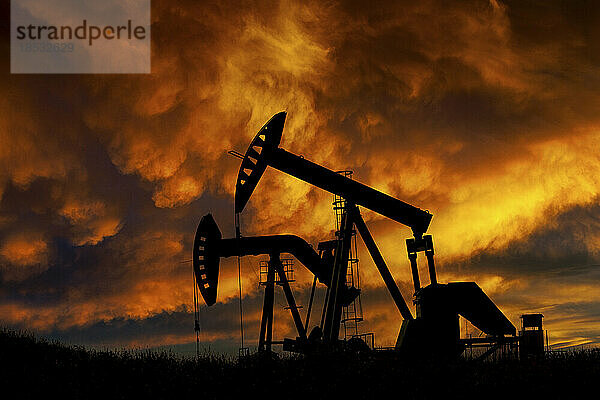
(433, 331)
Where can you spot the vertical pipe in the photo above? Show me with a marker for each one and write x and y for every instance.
(238, 235)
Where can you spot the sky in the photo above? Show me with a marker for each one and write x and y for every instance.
(485, 113)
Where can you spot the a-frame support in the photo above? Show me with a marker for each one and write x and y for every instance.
(266, 324)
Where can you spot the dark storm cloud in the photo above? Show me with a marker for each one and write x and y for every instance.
(469, 77)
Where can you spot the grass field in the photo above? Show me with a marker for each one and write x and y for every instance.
(36, 368)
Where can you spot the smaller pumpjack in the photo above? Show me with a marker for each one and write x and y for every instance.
(209, 248)
(435, 330)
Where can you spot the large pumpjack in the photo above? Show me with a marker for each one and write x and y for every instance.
(434, 330)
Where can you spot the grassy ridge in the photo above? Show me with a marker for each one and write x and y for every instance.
(33, 368)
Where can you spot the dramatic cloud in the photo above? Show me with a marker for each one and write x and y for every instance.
(483, 112)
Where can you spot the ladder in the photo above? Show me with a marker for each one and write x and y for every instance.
(352, 315)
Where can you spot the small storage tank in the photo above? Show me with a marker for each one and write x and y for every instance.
(531, 336)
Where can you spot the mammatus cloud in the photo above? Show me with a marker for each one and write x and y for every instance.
(483, 112)
(26, 253)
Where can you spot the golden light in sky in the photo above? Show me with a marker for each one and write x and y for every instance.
(485, 113)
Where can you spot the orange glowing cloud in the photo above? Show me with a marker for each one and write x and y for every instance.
(92, 221)
(24, 250)
(24, 255)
